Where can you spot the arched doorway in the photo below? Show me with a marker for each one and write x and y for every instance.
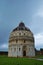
(24, 50)
(24, 53)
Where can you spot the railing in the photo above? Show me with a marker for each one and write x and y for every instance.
(21, 37)
(14, 37)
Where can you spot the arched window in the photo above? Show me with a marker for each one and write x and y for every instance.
(24, 41)
(19, 49)
(19, 33)
(14, 49)
(24, 33)
(16, 41)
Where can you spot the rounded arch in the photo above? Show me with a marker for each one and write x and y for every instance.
(24, 50)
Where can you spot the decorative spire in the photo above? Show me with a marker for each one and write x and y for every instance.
(21, 24)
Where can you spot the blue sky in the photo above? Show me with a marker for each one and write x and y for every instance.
(12, 12)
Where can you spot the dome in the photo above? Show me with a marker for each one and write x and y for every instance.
(21, 26)
(21, 32)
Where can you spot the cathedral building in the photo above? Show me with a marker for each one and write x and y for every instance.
(21, 42)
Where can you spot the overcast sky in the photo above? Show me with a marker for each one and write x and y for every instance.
(12, 12)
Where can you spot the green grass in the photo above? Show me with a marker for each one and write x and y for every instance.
(4, 60)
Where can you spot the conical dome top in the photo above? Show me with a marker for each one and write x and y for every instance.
(21, 24)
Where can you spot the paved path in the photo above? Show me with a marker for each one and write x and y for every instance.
(39, 59)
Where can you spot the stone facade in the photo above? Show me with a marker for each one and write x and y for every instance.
(21, 42)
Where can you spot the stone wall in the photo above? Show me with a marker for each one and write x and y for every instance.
(17, 50)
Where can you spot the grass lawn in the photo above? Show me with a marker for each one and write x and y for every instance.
(4, 60)
(39, 56)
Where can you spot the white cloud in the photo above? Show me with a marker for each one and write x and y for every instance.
(39, 40)
(37, 20)
(4, 46)
(39, 12)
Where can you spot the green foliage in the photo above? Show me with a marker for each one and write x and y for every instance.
(4, 60)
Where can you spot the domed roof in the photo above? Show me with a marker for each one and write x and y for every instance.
(21, 26)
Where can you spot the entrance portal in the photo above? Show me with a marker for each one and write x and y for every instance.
(24, 50)
(24, 53)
